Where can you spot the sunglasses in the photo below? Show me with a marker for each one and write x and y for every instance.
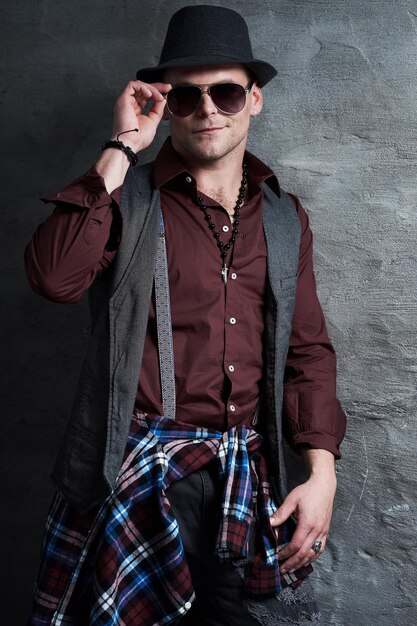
(228, 98)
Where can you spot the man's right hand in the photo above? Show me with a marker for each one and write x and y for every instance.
(127, 115)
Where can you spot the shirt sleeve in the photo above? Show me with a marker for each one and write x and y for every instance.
(77, 242)
(312, 414)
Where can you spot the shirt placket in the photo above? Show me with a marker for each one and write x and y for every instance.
(233, 318)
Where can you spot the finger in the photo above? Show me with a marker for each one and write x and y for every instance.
(138, 96)
(156, 112)
(315, 554)
(149, 90)
(304, 556)
(286, 509)
(141, 103)
(298, 540)
(311, 556)
(160, 86)
(163, 88)
(144, 94)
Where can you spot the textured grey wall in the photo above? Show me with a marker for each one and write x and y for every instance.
(339, 127)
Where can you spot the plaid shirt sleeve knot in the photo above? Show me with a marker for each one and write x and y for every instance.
(123, 562)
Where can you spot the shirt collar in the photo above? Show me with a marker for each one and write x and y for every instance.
(169, 170)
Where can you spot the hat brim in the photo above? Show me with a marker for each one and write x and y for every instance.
(263, 71)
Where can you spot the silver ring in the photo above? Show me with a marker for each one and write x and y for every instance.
(316, 547)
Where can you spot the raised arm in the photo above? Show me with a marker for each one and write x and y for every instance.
(81, 237)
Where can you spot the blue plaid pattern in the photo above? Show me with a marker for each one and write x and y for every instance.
(123, 562)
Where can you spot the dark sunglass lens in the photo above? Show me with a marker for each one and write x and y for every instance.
(228, 97)
(183, 101)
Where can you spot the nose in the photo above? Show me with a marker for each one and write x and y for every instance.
(206, 105)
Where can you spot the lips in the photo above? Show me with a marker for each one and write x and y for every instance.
(209, 130)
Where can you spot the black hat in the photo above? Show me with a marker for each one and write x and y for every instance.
(204, 35)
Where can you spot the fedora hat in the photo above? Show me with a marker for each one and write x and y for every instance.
(207, 35)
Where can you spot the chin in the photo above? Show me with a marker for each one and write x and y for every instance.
(208, 155)
(211, 152)
(208, 149)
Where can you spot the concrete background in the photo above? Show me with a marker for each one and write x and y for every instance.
(340, 129)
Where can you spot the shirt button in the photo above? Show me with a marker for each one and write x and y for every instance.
(233, 276)
(231, 368)
(232, 320)
(188, 179)
(225, 229)
(232, 408)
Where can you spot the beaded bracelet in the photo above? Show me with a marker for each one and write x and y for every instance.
(116, 143)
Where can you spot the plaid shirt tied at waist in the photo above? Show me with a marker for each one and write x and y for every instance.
(124, 563)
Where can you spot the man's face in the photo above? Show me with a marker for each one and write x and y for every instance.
(208, 134)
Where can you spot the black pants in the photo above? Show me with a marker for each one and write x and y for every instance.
(196, 503)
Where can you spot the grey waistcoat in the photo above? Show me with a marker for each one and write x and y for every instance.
(91, 454)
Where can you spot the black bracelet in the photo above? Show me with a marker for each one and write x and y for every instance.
(114, 143)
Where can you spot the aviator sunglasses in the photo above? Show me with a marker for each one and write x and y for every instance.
(228, 98)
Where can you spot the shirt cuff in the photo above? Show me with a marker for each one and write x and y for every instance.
(317, 441)
(314, 420)
(88, 191)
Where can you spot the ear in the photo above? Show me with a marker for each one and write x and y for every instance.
(257, 100)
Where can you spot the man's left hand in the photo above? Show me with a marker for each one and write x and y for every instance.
(311, 504)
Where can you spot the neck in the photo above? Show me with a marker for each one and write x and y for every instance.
(219, 180)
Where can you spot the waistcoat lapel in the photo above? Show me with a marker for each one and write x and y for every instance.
(282, 234)
(138, 205)
(131, 292)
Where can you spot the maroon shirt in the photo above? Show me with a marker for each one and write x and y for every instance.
(217, 331)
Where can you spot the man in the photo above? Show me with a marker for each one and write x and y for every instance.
(204, 310)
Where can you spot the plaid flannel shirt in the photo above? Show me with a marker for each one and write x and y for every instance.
(123, 562)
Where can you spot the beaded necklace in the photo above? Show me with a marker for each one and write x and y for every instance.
(225, 247)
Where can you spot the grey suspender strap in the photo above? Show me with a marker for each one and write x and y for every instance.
(164, 329)
(164, 326)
